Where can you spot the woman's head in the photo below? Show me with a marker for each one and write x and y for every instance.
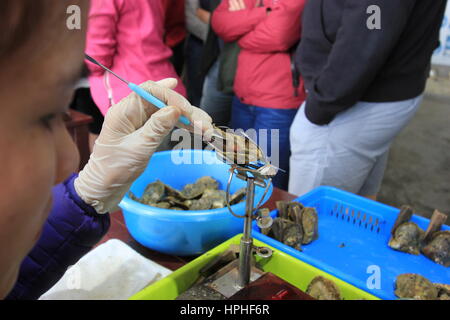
(40, 62)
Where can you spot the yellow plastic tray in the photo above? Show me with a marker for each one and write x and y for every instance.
(294, 271)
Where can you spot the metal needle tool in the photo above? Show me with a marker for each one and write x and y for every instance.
(141, 92)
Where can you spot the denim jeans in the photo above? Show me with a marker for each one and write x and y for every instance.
(244, 116)
(216, 103)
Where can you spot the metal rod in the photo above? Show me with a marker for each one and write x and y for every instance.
(89, 58)
(246, 240)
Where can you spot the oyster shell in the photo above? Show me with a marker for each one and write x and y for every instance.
(192, 191)
(443, 291)
(321, 288)
(414, 286)
(154, 192)
(208, 182)
(216, 197)
(133, 196)
(438, 249)
(287, 232)
(173, 192)
(238, 196)
(407, 238)
(310, 224)
(236, 148)
(282, 207)
(201, 204)
(176, 202)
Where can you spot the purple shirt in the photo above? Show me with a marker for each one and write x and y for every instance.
(71, 230)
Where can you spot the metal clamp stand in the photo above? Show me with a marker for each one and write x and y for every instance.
(246, 245)
(246, 240)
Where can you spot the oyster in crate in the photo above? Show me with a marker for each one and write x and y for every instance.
(443, 291)
(414, 286)
(287, 232)
(321, 288)
(310, 224)
(407, 237)
(438, 248)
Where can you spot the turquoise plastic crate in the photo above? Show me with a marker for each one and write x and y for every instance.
(352, 244)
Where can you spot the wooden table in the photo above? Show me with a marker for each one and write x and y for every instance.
(118, 230)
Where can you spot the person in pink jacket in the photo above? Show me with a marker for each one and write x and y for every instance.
(267, 92)
(127, 37)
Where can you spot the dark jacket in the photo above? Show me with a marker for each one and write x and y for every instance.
(342, 61)
(71, 230)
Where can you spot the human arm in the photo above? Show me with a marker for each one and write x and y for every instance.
(71, 230)
(356, 56)
(278, 32)
(194, 24)
(230, 24)
(132, 131)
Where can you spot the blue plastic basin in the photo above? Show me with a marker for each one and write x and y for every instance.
(184, 233)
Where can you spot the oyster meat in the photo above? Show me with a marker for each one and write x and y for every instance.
(414, 286)
(236, 148)
(407, 237)
(438, 248)
(321, 288)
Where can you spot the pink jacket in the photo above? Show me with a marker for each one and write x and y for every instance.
(263, 76)
(127, 37)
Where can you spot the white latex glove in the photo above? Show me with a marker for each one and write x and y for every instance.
(132, 131)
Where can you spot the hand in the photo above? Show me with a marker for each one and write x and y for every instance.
(203, 15)
(236, 5)
(132, 131)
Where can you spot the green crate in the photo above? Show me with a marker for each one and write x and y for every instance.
(294, 271)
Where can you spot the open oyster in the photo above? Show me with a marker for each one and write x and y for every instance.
(407, 238)
(438, 248)
(236, 148)
(414, 286)
(321, 288)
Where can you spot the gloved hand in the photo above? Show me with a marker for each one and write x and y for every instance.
(132, 131)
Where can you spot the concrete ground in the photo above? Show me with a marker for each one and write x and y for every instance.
(418, 171)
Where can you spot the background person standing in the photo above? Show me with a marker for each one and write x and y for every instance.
(364, 80)
(265, 94)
